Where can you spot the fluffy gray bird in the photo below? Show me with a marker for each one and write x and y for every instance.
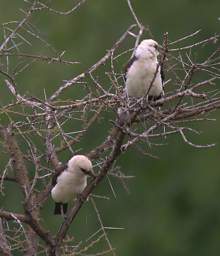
(141, 70)
(70, 182)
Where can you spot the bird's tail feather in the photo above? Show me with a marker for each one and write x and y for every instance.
(60, 208)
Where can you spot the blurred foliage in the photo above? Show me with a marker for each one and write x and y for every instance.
(173, 207)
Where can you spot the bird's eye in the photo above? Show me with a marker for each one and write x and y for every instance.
(88, 172)
(156, 46)
(84, 171)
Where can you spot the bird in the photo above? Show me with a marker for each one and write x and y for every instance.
(70, 181)
(142, 69)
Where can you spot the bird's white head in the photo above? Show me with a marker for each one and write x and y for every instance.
(81, 165)
(147, 49)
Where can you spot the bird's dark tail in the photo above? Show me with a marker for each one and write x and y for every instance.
(60, 208)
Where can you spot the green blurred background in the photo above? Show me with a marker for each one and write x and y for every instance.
(173, 207)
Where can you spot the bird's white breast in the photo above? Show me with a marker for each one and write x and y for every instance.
(140, 76)
(68, 184)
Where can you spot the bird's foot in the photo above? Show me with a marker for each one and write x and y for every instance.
(64, 216)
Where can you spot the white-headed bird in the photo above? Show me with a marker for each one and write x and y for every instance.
(70, 182)
(142, 69)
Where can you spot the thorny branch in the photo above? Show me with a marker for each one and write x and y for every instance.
(4, 247)
(37, 131)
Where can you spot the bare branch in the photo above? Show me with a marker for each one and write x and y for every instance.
(4, 247)
(40, 133)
